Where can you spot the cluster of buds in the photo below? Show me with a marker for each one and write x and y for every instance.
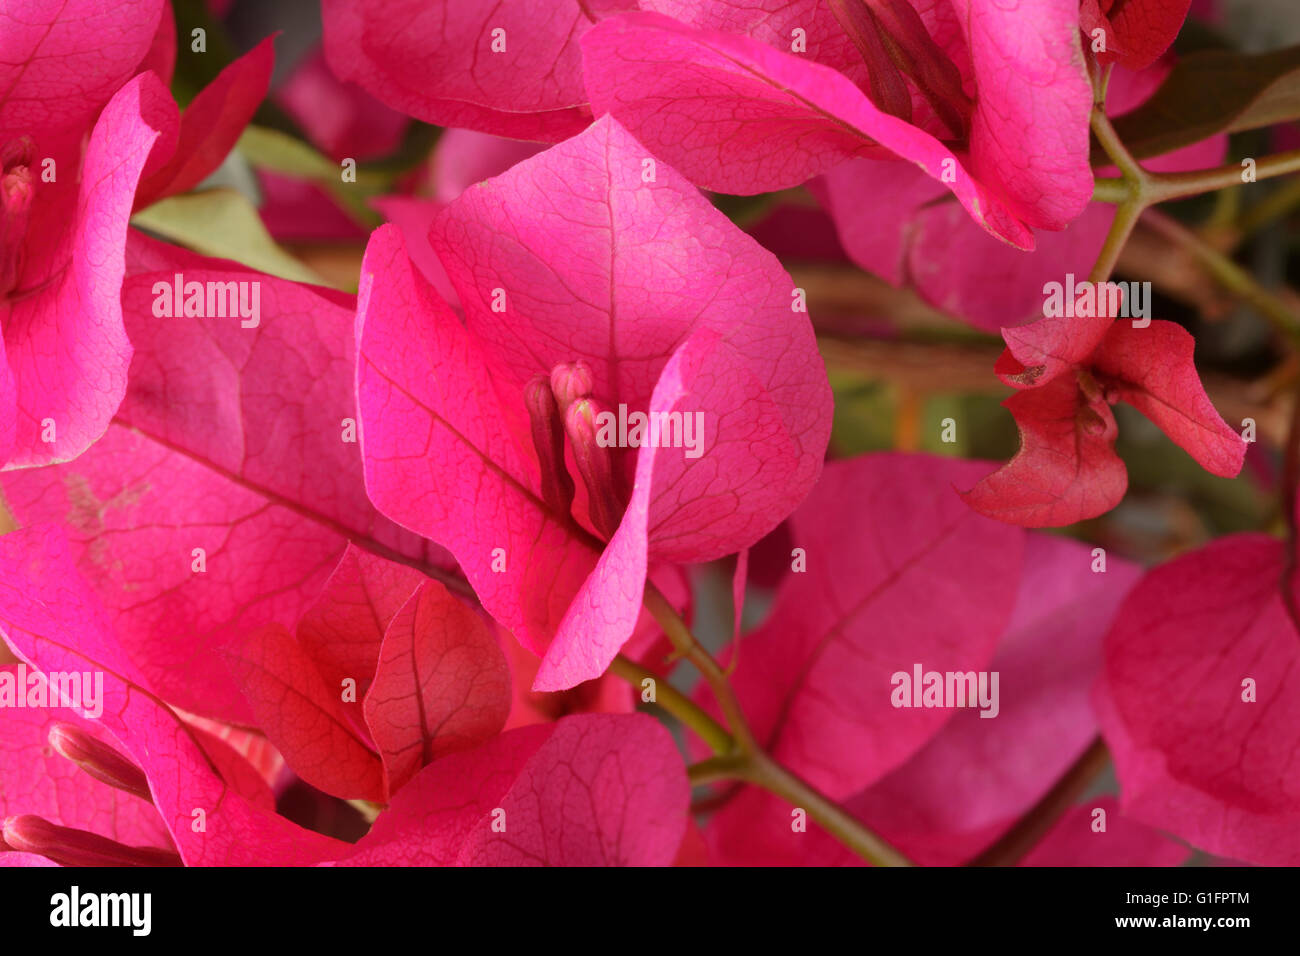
(897, 48)
(558, 405)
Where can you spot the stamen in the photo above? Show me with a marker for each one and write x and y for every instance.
(596, 465)
(570, 382)
(15, 208)
(887, 88)
(72, 847)
(892, 32)
(548, 442)
(99, 760)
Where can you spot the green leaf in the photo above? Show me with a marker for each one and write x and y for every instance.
(222, 223)
(1214, 91)
(281, 153)
(864, 415)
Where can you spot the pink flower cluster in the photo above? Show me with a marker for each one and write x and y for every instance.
(382, 545)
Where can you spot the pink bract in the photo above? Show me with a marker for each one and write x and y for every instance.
(52, 619)
(671, 308)
(723, 97)
(590, 790)
(1070, 372)
(896, 576)
(512, 68)
(229, 453)
(1200, 701)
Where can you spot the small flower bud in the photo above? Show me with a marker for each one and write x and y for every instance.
(68, 846)
(15, 209)
(99, 760)
(570, 382)
(548, 442)
(596, 465)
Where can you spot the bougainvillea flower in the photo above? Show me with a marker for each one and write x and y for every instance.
(1200, 701)
(422, 671)
(888, 586)
(65, 202)
(67, 192)
(892, 223)
(512, 68)
(1070, 370)
(230, 484)
(589, 790)
(214, 805)
(595, 286)
(975, 777)
(727, 93)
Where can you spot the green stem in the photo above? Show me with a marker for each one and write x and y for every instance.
(1273, 207)
(1181, 185)
(739, 756)
(764, 772)
(1163, 187)
(1227, 273)
(676, 703)
(1126, 217)
(684, 643)
(722, 767)
(1134, 187)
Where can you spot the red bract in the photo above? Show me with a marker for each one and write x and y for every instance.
(974, 777)
(1134, 32)
(892, 223)
(994, 107)
(66, 200)
(441, 685)
(897, 576)
(208, 128)
(216, 814)
(342, 631)
(228, 489)
(406, 673)
(303, 716)
(512, 68)
(1070, 372)
(1200, 701)
(587, 253)
(590, 790)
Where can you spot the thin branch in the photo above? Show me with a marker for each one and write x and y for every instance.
(1227, 273)
(676, 703)
(1034, 825)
